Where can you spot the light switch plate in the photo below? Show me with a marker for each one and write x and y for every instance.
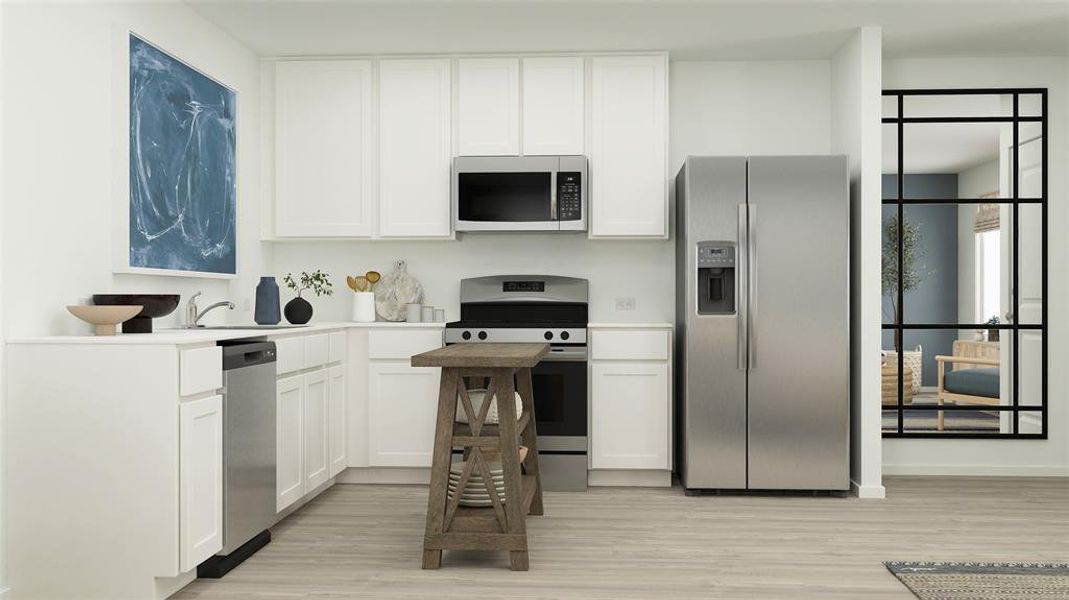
(625, 304)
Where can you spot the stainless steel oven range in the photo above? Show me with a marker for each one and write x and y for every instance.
(539, 308)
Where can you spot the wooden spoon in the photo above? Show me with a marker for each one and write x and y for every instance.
(361, 283)
(349, 279)
(373, 276)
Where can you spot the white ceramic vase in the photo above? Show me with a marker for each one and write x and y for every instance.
(364, 307)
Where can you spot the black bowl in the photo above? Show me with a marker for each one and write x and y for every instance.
(155, 306)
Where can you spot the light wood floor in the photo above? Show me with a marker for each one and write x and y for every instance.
(365, 541)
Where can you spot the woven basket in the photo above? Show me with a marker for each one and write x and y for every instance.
(911, 362)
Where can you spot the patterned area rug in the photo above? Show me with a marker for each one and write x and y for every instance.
(983, 581)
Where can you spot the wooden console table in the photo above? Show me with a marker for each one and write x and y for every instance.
(503, 525)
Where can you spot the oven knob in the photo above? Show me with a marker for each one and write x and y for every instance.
(548, 335)
(482, 335)
(564, 335)
(466, 335)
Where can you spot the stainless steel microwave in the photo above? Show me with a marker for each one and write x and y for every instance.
(519, 193)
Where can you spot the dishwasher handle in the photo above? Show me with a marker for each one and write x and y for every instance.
(250, 354)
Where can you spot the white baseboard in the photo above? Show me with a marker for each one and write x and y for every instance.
(978, 470)
(869, 492)
(386, 475)
(422, 476)
(628, 478)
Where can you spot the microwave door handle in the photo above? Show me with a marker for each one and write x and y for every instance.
(553, 196)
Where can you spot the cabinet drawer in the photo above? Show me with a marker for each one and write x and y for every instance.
(629, 344)
(290, 354)
(316, 350)
(338, 342)
(201, 370)
(402, 343)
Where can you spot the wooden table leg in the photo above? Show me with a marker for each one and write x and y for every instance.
(529, 435)
(441, 458)
(510, 464)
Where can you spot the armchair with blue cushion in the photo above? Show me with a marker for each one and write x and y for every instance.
(973, 377)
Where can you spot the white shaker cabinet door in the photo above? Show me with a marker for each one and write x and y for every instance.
(628, 140)
(488, 106)
(403, 409)
(323, 148)
(629, 415)
(289, 393)
(337, 418)
(415, 147)
(553, 114)
(201, 480)
(315, 429)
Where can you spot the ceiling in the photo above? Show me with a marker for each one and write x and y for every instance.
(941, 148)
(710, 29)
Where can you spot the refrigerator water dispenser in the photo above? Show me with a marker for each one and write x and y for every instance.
(716, 278)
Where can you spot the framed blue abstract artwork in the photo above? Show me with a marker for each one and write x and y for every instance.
(183, 186)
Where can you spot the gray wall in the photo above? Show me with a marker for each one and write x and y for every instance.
(936, 299)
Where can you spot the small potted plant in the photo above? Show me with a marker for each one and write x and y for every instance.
(992, 334)
(298, 310)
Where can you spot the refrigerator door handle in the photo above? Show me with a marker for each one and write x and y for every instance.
(741, 299)
(751, 291)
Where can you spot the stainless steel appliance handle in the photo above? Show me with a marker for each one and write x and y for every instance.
(566, 354)
(553, 196)
(741, 300)
(751, 267)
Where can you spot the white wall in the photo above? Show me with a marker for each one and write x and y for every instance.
(63, 142)
(716, 108)
(772, 107)
(856, 132)
(1007, 457)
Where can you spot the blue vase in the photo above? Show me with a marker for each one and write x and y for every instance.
(267, 306)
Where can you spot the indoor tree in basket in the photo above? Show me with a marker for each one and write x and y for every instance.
(298, 310)
(913, 270)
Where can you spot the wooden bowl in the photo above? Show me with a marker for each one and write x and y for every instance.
(104, 318)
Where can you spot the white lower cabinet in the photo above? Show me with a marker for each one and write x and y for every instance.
(289, 413)
(200, 480)
(403, 404)
(336, 427)
(314, 429)
(629, 415)
(311, 419)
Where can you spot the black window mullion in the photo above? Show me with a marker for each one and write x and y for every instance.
(1015, 264)
(1043, 259)
(900, 313)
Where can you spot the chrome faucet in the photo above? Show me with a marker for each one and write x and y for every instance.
(193, 316)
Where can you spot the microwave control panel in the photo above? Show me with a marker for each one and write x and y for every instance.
(569, 196)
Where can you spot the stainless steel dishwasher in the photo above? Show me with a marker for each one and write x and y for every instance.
(248, 454)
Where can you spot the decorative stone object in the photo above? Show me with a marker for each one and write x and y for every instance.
(396, 289)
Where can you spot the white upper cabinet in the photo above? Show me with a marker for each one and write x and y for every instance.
(553, 117)
(628, 139)
(415, 147)
(323, 148)
(488, 106)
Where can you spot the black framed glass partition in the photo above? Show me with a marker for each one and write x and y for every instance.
(964, 265)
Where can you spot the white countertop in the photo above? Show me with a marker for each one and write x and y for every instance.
(630, 326)
(208, 335)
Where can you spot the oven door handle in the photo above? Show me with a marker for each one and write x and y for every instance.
(566, 354)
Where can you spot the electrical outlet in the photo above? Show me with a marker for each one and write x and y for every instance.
(625, 304)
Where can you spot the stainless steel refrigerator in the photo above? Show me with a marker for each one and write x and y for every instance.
(762, 294)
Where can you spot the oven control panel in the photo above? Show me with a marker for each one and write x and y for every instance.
(569, 196)
(515, 335)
